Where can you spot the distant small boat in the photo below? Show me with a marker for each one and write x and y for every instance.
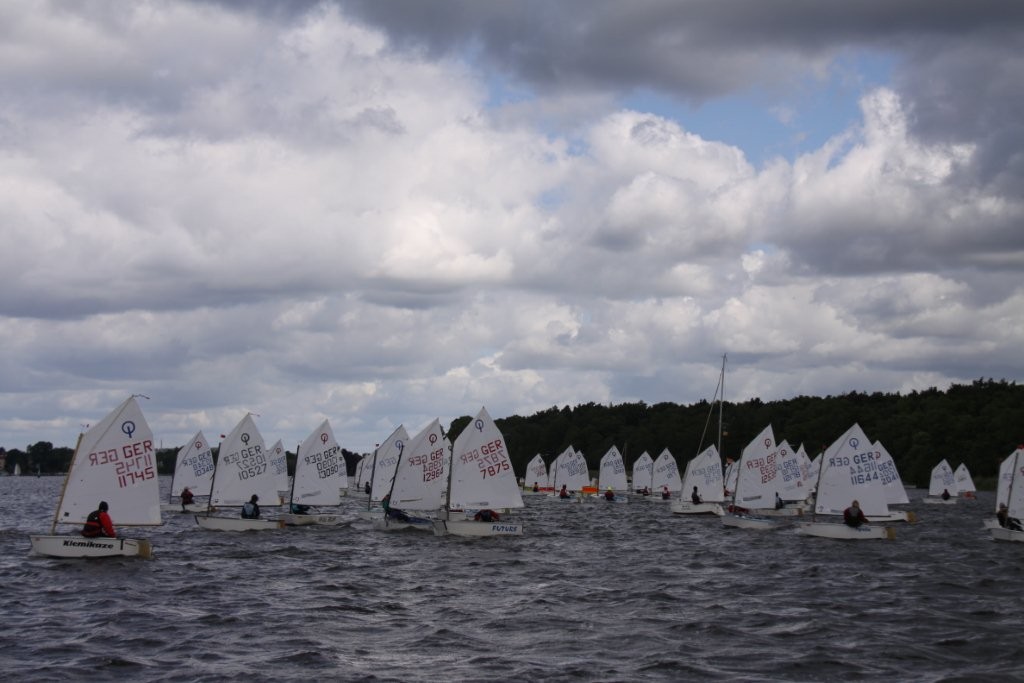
(193, 469)
(114, 462)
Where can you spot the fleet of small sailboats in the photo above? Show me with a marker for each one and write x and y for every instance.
(459, 488)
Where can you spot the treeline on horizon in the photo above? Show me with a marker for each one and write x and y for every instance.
(977, 424)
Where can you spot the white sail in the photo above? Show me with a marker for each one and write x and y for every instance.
(17, 469)
(756, 483)
(193, 468)
(243, 469)
(895, 493)
(849, 472)
(790, 475)
(1005, 477)
(643, 472)
(481, 470)
(612, 474)
(385, 461)
(114, 462)
(814, 471)
(805, 469)
(278, 459)
(942, 480)
(537, 473)
(705, 472)
(666, 473)
(1015, 499)
(964, 483)
(571, 471)
(319, 469)
(419, 482)
(730, 477)
(363, 469)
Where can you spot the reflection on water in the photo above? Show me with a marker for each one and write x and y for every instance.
(594, 592)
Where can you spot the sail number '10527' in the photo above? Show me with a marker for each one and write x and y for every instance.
(251, 462)
(490, 458)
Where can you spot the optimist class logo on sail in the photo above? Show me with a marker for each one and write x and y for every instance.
(132, 463)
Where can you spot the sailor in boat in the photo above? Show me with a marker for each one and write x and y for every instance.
(390, 512)
(665, 495)
(298, 509)
(695, 497)
(366, 489)
(486, 516)
(564, 493)
(854, 516)
(945, 494)
(186, 498)
(646, 491)
(251, 510)
(536, 487)
(778, 501)
(98, 523)
(1006, 521)
(609, 494)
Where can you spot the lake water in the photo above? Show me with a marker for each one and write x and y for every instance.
(593, 592)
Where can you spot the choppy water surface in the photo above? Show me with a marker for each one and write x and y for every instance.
(594, 592)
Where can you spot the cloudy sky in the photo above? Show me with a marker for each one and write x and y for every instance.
(386, 212)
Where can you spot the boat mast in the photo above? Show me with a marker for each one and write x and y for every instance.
(291, 493)
(373, 476)
(60, 501)
(1009, 489)
(451, 466)
(213, 479)
(721, 400)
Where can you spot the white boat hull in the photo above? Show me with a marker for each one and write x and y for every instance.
(460, 527)
(932, 500)
(79, 546)
(686, 507)
(318, 518)
(237, 523)
(389, 524)
(778, 512)
(192, 507)
(991, 523)
(1002, 534)
(746, 522)
(894, 516)
(845, 532)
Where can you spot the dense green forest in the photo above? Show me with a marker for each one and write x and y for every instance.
(978, 424)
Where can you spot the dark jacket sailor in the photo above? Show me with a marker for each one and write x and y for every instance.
(251, 510)
(98, 523)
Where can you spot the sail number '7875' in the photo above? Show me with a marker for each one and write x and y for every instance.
(490, 458)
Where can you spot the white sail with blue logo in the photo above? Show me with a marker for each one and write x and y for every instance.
(536, 475)
(665, 476)
(193, 469)
(643, 472)
(849, 472)
(114, 462)
(319, 479)
(277, 457)
(480, 478)
(612, 474)
(704, 472)
(941, 485)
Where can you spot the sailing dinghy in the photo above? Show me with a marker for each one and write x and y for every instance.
(319, 479)
(382, 471)
(1014, 500)
(114, 461)
(536, 475)
(612, 477)
(755, 484)
(849, 471)
(643, 473)
(942, 481)
(705, 473)
(193, 469)
(480, 477)
(419, 481)
(1006, 469)
(243, 470)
